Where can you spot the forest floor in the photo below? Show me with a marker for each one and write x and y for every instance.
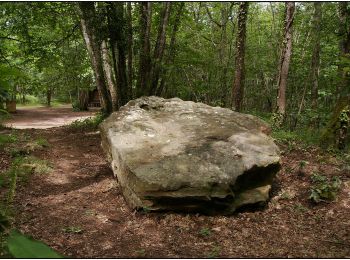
(78, 209)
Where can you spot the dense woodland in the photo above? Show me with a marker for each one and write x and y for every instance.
(288, 61)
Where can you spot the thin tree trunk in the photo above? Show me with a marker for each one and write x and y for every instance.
(159, 48)
(109, 76)
(122, 81)
(48, 96)
(145, 57)
(223, 53)
(315, 62)
(88, 21)
(172, 49)
(130, 46)
(239, 77)
(285, 60)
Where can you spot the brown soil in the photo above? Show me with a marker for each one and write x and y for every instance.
(81, 194)
(44, 117)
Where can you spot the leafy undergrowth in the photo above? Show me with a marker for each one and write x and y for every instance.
(88, 124)
(78, 209)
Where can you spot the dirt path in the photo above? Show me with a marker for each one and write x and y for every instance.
(79, 210)
(44, 117)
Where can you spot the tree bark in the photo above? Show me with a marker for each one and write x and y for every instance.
(239, 77)
(93, 43)
(337, 130)
(159, 48)
(344, 47)
(48, 96)
(113, 90)
(145, 57)
(285, 59)
(223, 55)
(172, 49)
(315, 61)
(130, 46)
(122, 48)
(83, 99)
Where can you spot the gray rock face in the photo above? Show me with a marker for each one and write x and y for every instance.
(181, 155)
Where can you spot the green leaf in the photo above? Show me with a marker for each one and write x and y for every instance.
(21, 246)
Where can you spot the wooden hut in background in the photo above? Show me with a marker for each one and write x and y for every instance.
(94, 98)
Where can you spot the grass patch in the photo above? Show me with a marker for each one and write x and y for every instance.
(214, 252)
(308, 137)
(42, 142)
(205, 232)
(5, 139)
(21, 169)
(72, 229)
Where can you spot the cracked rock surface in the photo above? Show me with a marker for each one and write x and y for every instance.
(169, 154)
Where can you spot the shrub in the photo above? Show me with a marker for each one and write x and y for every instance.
(90, 123)
(324, 189)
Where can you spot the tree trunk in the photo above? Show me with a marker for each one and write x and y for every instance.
(113, 90)
(285, 60)
(223, 56)
(239, 77)
(159, 48)
(337, 130)
(145, 57)
(83, 99)
(48, 96)
(88, 22)
(119, 41)
(172, 49)
(315, 62)
(344, 47)
(130, 46)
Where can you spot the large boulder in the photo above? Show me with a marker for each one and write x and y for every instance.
(169, 154)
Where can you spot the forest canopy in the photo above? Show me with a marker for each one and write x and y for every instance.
(264, 58)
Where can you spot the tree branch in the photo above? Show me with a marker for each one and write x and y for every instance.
(211, 18)
(10, 38)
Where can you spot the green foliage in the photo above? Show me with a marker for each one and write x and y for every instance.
(302, 164)
(90, 123)
(141, 252)
(277, 120)
(42, 142)
(324, 189)
(21, 246)
(72, 229)
(306, 136)
(3, 115)
(21, 168)
(205, 232)
(5, 139)
(300, 208)
(214, 252)
(344, 116)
